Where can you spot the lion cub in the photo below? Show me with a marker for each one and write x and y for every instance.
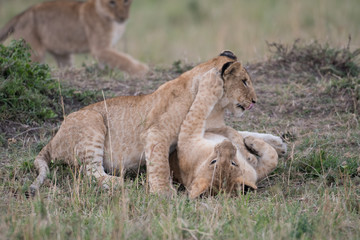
(209, 161)
(66, 27)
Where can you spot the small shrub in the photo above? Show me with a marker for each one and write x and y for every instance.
(180, 67)
(26, 89)
(349, 89)
(28, 93)
(315, 59)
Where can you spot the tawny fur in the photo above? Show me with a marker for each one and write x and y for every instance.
(209, 161)
(128, 131)
(63, 28)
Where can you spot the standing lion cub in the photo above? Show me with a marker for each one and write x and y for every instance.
(66, 27)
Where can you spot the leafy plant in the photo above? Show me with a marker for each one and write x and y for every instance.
(26, 89)
(28, 93)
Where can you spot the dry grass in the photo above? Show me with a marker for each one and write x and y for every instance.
(313, 194)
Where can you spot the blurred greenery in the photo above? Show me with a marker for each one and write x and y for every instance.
(314, 192)
(163, 31)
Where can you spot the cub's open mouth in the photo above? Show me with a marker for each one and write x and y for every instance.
(243, 108)
(240, 106)
(250, 106)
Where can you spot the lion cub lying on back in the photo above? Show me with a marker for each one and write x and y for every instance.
(208, 161)
(66, 27)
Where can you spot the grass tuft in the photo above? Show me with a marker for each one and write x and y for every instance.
(315, 58)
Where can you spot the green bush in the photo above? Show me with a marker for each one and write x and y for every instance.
(27, 91)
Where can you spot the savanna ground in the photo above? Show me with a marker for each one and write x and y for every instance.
(308, 92)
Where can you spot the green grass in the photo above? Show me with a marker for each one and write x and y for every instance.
(71, 209)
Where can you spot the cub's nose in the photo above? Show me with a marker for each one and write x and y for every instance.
(253, 101)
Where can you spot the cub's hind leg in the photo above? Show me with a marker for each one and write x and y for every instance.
(80, 140)
(267, 156)
(87, 131)
(63, 60)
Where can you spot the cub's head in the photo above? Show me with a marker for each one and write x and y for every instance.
(239, 93)
(116, 10)
(223, 170)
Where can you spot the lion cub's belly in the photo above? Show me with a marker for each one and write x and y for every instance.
(127, 156)
(214, 138)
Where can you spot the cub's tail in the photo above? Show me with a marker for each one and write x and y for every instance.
(42, 166)
(10, 27)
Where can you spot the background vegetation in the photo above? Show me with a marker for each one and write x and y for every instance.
(308, 92)
(163, 31)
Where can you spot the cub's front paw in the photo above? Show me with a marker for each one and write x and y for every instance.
(166, 192)
(254, 145)
(140, 70)
(136, 69)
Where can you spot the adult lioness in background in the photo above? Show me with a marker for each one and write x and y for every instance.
(66, 27)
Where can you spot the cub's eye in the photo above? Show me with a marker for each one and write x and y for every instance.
(126, 1)
(245, 82)
(213, 161)
(112, 3)
(234, 163)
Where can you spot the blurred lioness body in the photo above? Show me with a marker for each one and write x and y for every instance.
(66, 27)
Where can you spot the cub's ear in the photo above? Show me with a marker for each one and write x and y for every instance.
(230, 68)
(228, 54)
(241, 181)
(198, 186)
